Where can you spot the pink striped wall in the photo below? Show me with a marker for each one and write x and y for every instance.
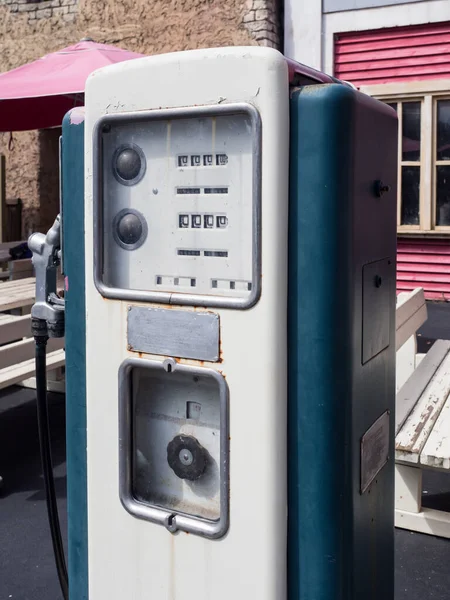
(394, 54)
(424, 263)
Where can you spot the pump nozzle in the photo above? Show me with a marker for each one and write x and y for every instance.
(46, 258)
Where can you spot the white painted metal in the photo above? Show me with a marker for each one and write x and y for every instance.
(302, 32)
(135, 559)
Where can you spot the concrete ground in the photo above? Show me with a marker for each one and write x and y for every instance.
(27, 568)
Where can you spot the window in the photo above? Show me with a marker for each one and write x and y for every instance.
(442, 163)
(423, 162)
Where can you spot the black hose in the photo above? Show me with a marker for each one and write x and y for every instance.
(47, 465)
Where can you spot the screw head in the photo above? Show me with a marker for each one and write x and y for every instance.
(186, 457)
(381, 188)
(378, 281)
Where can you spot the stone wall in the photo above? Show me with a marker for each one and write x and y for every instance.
(29, 30)
(43, 9)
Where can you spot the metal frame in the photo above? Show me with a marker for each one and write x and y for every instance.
(172, 520)
(172, 297)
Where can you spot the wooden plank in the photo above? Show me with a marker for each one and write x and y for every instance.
(407, 305)
(436, 452)
(412, 390)
(17, 301)
(8, 245)
(14, 328)
(430, 521)
(21, 371)
(408, 488)
(424, 277)
(21, 264)
(56, 381)
(405, 362)
(16, 294)
(23, 350)
(413, 267)
(52, 386)
(17, 284)
(21, 269)
(410, 314)
(412, 437)
(410, 327)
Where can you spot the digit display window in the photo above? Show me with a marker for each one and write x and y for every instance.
(177, 207)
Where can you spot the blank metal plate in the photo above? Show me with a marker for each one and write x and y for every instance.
(377, 278)
(179, 333)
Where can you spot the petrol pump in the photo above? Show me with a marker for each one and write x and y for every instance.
(228, 236)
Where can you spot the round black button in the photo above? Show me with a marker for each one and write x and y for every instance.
(129, 229)
(129, 164)
(186, 457)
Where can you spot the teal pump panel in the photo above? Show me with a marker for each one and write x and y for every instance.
(341, 322)
(72, 209)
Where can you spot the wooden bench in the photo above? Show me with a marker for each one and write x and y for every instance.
(17, 347)
(422, 418)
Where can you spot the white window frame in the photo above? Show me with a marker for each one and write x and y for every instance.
(427, 92)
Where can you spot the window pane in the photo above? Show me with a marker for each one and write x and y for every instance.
(443, 195)
(411, 131)
(410, 195)
(443, 130)
(392, 105)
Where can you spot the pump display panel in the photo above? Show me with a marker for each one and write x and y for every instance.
(177, 206)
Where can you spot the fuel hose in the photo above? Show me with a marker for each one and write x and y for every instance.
(41, 338)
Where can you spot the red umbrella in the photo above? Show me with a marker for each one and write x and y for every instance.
(38, 95)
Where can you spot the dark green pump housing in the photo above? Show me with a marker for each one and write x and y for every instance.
(341, 320)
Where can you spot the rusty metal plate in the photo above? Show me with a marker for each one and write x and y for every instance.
(179, 333)
(374, 450)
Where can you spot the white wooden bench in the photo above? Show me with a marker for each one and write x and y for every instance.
(422, 418)
(17, 347)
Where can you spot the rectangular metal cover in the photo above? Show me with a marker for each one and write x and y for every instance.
(179, 333)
